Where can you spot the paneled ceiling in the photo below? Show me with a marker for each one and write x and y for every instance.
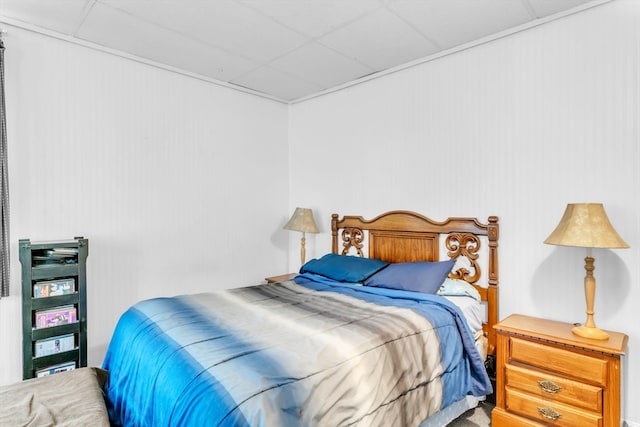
(285, 49)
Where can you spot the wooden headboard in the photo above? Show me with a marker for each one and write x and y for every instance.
(405, 236)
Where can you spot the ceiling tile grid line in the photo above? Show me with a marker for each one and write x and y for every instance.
(427, 37)
(86, 11)
(530, 9)
(177, 31)
(316, 36)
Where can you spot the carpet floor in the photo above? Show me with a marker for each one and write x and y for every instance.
(479, 416)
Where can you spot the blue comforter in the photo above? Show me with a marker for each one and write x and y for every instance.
(290, 354)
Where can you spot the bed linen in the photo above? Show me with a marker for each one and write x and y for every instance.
(472, 311)
(66, 399)
(296, 353)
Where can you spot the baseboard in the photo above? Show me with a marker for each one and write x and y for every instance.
(630, 424)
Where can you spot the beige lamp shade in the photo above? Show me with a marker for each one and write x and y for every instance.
(302, 220)
(585, 225)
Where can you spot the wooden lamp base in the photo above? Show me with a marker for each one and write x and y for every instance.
(589, 329)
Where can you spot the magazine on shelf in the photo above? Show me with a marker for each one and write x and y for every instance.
(62, 252)
(49, 370)
(56, 316)
(55, 257)
(54, 345)
(54, 288)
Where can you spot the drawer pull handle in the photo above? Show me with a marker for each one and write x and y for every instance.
(549, 413)
(549, 387)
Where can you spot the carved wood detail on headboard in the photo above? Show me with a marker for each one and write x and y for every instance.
(405, 236)
(352, 237)
(466, 245)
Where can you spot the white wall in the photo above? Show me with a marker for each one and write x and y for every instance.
(518, 128)
(179, 185)
(182, 185)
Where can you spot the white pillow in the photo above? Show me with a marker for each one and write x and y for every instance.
(457, 287)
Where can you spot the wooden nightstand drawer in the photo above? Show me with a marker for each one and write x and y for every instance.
(553, 413)
(554, 388)
(558, 360)
(581, 376)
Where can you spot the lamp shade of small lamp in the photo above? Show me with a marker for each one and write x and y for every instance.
(302, 220)
(586, 225)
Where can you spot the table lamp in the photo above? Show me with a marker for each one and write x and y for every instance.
(586, 225)
(302, 220)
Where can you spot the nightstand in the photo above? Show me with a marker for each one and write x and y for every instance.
(282, 278)
(548, 376)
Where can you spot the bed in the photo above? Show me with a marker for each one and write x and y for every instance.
(340, 344)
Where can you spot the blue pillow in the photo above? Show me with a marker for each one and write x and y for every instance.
(343, 268)
(421, 276)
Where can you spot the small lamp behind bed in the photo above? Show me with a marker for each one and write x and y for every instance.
(302, 220)
(586, 225)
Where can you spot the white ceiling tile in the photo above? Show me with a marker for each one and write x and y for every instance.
(380, 40)
(314, 18)
(544, 8)
(320, 65)
(63, 16)
(279, 84)
(202, 59)
(471, 20)
(113, 28)
(226, 24)
(287, 48)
